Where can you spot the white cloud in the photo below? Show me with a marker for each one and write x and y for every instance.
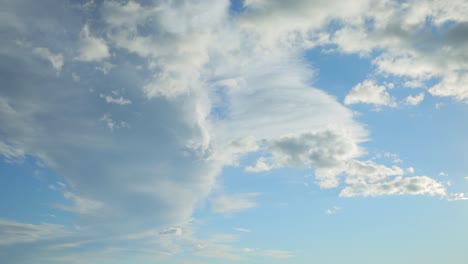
(454, 85)
(368, 92)
(414, 100)
(443, 174)
(410, 170)
(457, 197)
(415, 185)
(81, 205)
(243, 230)
(15, 232)
(326, 150)
(11, 153)
(395, 158)
(368, 171)
(119, 100)
(259, 166)
(91, 48)
(111, 124)
(228, 204)
(55, 59)
(332, 210)
(217, 89)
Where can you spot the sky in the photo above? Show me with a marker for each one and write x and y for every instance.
(217, 131)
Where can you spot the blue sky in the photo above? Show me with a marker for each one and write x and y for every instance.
(218, 131)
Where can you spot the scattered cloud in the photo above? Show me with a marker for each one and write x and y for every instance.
(415, 185)
(457, 197)
(91, 48)
(111, 124)
(217, 89)
(119, 100)
(56, 60)
(368, 92)
(414, 100)
(332, 210)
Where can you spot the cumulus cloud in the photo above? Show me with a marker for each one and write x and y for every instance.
(213, 89)
(368, 92)
(260, 165)
(414, 100)
(415, 185)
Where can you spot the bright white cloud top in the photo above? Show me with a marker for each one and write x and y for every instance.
(171, 121)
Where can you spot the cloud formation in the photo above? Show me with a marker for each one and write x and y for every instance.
(368, 92)
(203, 88)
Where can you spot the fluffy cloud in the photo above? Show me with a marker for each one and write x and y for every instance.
(416, 185)
(414, 100)
(205, 90)
(368, 92)
(398, 31)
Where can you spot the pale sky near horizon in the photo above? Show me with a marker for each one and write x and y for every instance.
(217, 131)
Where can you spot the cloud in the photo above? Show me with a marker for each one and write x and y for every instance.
(55, 59)
(368, 92)
(233, 203)
(11, 153)
(119, 100)
(457, 197)
(111, 124)
(91, 48)
(398, 32)
(243, 230)
(414, 100)
(15, 232)
(81, 205)
(177, 231)
(259, 166)
(332, 210)
(443, 174)
(215, 89)
(326, 150)
(415, 185)
(278, 254)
